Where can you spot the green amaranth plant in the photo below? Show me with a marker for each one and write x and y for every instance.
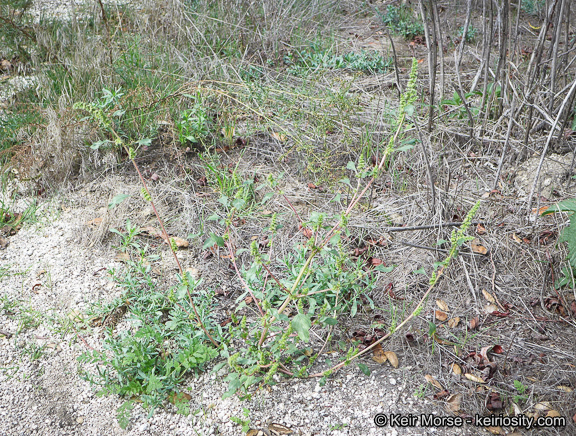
(318, 283)
(163, 344)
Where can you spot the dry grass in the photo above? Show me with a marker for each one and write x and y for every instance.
(309, 128)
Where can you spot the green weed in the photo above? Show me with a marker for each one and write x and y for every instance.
(303, 62)
(149, 361)
(401, 20)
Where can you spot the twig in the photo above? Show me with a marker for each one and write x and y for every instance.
(400, 326)
(233, 259)
(470, 286)
(548, 141)
(424, 227)
(5, 333)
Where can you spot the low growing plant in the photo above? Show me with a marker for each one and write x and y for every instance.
(147, 362)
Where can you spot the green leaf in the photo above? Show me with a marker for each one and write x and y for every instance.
(123, 414)
(99, 144)
(301, 324)
(330, 321)
(385, 269)
(145, 141)
(154, 383)
(351, 166)
(345, 181)
(117, 200)
(267, 197)
(431, 328)
(354, 308)
(364, 369)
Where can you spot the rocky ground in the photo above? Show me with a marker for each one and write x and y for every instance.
(50, 273)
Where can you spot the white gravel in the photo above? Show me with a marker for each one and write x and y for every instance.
(52, 273)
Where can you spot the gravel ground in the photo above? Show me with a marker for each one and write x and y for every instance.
(52, 273)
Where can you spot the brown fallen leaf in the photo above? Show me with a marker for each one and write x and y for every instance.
(477, 247)
(279, 136)
(75, 316)
(95, 222)
(440, 316)
(392, 358)
(474, 323)
(179, 397)
(306, 231)
(453, 403)
(474, 378)
(378, 354)
(180, 242)
(564, 388)
(488, 296)
(430, 379)
(495, 430)
(552, 413)
(122, 257)
(490, 308)
(516, 238)
(456, 369)
(453, 322)
(480, 229)
(442, 305)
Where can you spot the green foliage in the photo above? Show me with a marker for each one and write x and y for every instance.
(235, 190)
(193, 125)
(456, 104)
(149, 360)
(401, 20)
(470, 34)
(245, 423)
(568, 235)
(533, 7)
(303, 62)
(16, 31)
(521, 389)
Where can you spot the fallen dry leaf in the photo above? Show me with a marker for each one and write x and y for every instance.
(179, 397)
(180, 243)
(474, 378)
(442, 305)
(122, 257)
(453, 322)
(441, 316)
(453, 403)
(564, 388)
(456, 369)
(378, 354)
(516, 238)
(392, 358)
(480, 229)
(430, 379)
(477, 247)
(75, 316)
(552, 413)
(495, 430)
(474, 323)
(194, 272)
(279, 136)
(488, 296)
(95, 222)
(490, 308)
